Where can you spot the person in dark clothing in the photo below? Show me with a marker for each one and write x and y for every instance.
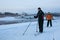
(40, 16)
(49, 18)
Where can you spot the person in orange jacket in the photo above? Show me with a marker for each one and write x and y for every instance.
(49, 18)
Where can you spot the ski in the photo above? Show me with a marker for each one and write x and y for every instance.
(36, 34)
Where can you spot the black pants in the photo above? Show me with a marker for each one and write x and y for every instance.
(40, 22)
(49, 22)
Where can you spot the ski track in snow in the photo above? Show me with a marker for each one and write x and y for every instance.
(15, 31)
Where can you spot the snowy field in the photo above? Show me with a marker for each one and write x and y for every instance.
(12, 20)
(15, 31)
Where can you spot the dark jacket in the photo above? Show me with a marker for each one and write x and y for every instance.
(40, 15)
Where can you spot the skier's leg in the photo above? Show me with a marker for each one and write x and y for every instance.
(51, 23)
(40, 21)
(41, 26)
(47, 23)
(41, 29)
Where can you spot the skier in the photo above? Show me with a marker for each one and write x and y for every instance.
(49, 18)
(40, 16)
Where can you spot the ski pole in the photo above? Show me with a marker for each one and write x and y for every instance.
(26, 29)
(37, 28)
(53, 36)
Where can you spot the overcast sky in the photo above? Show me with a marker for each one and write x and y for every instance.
(23, 5)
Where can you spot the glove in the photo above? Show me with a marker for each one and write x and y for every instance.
(35, 16)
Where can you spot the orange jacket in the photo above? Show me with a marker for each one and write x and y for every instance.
(49, 16)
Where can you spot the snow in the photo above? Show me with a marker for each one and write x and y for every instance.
(7, 18)
(15, 31)
(11, 20)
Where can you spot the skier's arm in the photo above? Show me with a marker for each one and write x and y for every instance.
(36, 15)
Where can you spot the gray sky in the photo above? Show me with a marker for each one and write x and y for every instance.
(24, 5)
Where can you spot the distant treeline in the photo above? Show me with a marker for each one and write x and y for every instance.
(8, 14)
(54, 14)
(25, 14)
